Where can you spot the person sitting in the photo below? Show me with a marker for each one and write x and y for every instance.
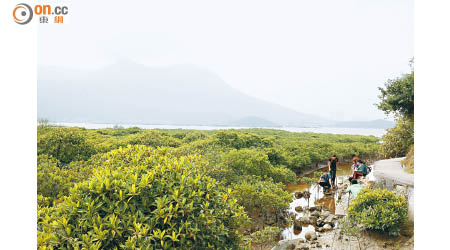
(361, 170)
(355, 160)
(325, 180)
(354, 188)
(355, 167)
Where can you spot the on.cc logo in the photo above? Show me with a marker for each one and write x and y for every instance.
(22, 13)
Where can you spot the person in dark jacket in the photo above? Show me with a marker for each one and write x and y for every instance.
(332, 167)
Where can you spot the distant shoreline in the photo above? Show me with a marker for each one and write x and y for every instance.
(378, 132)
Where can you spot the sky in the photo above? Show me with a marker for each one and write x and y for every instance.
(321, 57)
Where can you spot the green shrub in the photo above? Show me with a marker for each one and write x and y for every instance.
(248, 162)
(283, 175)
(255, 162)
(65, 144)
(153, 138)
(398, 140)
(238, 140)
(144, 198)
(261, 196)
(53, 182)
(379, 209)
(50, 183)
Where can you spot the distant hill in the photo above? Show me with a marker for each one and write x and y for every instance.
(135, 94)
(365, 124)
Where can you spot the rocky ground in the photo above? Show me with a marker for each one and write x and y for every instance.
(328, 231)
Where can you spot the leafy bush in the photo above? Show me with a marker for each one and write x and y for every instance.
(238, 140)
(49, 182)
(379, 209)
(398, 140)
(248, 162)
(153, 138)
(255, 162)
(261, 196)
(53, 182)
(64, 144)
(282, 174)
(144, 198)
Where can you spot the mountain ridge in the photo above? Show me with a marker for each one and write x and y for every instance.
(126, 92)
(130, 93)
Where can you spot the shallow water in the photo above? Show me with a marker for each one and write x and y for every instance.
(328, 202)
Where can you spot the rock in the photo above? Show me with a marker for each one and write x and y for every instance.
(302, 247)
(316, 208)
(400, 190)
(320, 229)
(319, 222)
(315, 213)
(312, 220)
(301, 240)
(297, 225)
(286, 245)
(298, 195)
(299, 209)
(325, 214)
(327, 227)
(329, 219)
(310, 236)
(305, 220)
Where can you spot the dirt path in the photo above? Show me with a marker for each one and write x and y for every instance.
(392, 169)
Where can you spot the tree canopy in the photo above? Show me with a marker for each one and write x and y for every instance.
(398, 96)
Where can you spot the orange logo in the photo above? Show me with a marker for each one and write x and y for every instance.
(22, 13)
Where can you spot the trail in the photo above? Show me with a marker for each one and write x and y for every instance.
(391, 169)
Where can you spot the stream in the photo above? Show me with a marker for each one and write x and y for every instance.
(328, 202)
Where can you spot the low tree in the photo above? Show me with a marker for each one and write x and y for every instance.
(261, 197)
(397, 96)
(399, 139)
(65, 145)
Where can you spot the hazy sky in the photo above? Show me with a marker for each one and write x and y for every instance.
(323, 57)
